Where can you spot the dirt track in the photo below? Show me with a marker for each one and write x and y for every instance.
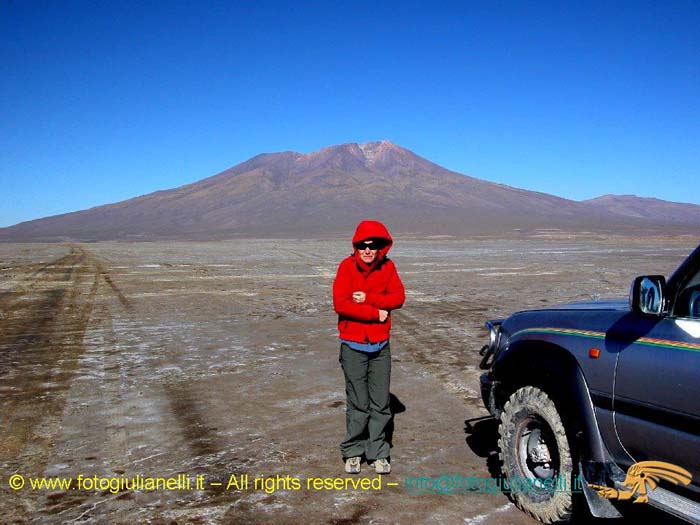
(212, 359)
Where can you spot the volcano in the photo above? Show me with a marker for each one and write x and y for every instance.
(329, 191)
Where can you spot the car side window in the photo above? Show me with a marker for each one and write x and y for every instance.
(688, 299)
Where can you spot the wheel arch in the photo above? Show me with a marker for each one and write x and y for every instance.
(556, 371)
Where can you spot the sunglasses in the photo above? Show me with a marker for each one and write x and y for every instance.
(375, 245)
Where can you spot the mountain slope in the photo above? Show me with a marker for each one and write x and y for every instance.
(327, 192)
(647, 208)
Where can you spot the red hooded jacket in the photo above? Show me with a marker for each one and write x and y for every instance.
(380, 281)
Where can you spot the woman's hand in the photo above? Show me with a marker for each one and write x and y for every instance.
(359, 297)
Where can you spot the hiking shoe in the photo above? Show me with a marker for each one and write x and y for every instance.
(352, 465)
(382, 466)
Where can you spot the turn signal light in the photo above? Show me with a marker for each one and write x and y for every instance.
(594, 353)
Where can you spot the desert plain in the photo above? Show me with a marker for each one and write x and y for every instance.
(208, 360)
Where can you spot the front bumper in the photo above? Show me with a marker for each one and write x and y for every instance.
(488, 394)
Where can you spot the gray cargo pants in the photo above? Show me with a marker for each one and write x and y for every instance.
(367, 377)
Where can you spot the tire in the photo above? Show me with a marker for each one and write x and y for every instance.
(534, 448)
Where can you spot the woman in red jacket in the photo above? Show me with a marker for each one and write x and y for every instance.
(366, 289)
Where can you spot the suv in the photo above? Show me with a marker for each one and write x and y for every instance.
(585, 391)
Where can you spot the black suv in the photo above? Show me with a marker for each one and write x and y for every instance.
(585, 391)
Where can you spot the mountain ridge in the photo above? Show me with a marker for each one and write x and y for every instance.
(329, 190)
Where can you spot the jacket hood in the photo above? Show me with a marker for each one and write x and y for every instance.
(371, 230)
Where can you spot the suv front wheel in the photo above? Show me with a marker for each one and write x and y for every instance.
(536, 456)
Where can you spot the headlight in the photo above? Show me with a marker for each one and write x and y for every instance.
(489, 349)
(494, 328)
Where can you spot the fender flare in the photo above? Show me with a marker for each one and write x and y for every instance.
(557, 371)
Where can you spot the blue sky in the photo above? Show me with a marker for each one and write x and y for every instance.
(105, 100)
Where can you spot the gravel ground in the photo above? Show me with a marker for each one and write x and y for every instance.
(212, 361)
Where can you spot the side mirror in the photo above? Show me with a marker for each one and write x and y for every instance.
(647, 294)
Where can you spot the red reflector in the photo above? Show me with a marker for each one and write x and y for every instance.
(594, 353)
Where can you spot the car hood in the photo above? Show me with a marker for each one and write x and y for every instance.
(608, 304)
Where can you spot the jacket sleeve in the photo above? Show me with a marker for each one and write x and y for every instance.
(394, 296)
(342, 299)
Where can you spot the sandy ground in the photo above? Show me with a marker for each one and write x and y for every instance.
(210, 360)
